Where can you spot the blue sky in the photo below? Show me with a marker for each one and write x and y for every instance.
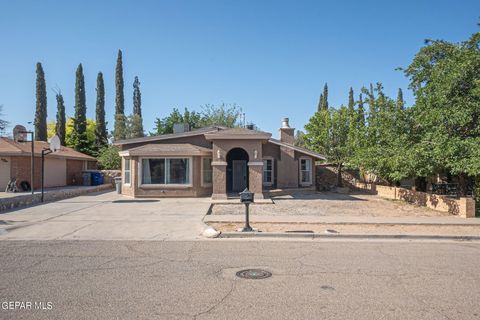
(269, 57)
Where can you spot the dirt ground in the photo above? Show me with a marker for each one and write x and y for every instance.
(354, 229)
(332, 204)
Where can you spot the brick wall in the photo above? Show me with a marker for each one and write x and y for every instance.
(20, 169)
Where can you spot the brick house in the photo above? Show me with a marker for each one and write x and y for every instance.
(61, 168)
(215, 161)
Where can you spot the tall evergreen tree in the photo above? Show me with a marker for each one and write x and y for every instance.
(61, 120)
(361, 112)
(135, 121)
(320, 102)
(119, 131)
(400, 103)
(41, 106)
(325, 97)
(101, 126)
(351, 101)
(79, 135)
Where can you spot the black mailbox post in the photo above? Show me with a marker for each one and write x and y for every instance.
(247, 197)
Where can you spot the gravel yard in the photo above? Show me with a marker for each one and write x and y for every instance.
(331, 204)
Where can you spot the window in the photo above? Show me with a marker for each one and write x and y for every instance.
(127, 172)
(305, 171)
(166, 171)
(268, 171)
(206, 171)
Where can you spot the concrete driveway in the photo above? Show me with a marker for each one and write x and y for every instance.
(107, 216)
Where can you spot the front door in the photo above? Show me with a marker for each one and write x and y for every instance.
(239, 175)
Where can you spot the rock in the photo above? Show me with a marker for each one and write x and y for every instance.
(210, 233)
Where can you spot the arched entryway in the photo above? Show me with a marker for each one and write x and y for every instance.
(237, 170)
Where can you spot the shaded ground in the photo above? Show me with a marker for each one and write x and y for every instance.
(196, 280)
(331, 204)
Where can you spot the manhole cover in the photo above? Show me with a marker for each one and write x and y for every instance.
(254, 274)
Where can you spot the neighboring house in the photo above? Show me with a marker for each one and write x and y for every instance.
(215, 161)
(62, 168)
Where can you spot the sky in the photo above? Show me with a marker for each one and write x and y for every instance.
(271, 58)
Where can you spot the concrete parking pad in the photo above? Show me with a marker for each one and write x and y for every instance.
(108, 216)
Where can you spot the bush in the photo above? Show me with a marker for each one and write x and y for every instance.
(109, 159)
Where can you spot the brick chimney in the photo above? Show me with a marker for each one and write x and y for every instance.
(287, 133)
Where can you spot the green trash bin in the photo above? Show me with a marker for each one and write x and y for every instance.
(118, 184)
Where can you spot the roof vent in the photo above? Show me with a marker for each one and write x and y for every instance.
(250, 126)
(181, 127)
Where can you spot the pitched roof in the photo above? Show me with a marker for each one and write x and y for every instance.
(194, 132)
(299, 149)
(9, 147)
(238, 133)
(180, 149)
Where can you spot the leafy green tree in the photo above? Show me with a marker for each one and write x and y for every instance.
(41, 106)
(79, 135)
(300, 139)
(120, 130)
(3, 123)
(228, 115)
(109, 159)
(351, 101)
(445, 79)
(60, 124)
(327, 133)
(101, 135)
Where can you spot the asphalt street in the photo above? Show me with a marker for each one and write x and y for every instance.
(196, 280)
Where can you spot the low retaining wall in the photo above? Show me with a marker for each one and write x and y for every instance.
(463, 207)
(25, 200)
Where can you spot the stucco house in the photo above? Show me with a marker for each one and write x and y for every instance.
(215, 161)
(61, 168)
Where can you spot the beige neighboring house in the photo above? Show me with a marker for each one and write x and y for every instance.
(61, 168)
(215, 161)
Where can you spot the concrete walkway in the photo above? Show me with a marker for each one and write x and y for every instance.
(107, 216)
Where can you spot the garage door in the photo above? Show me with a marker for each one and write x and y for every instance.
(55, 172)
(4, 172)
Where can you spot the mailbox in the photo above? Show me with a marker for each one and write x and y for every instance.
(246, 196)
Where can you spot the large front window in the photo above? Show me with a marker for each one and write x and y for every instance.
(166, 171)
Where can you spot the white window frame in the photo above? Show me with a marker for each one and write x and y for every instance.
(205, 184)
(310, 182)
(125, 171)
(269, 184)
(162, 185)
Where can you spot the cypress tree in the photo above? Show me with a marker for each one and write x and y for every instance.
(79, 134)
(119, 131)
(320, 103)
(101, 139)
(41, 106)
(361, 112)
(351, 101)
(325, 97)
(136, 125)
(400, 102)
(60, 125)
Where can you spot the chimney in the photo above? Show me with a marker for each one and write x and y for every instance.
(181, 127)
(287, 133)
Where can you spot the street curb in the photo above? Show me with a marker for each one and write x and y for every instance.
(382, 223)
(308, 235)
